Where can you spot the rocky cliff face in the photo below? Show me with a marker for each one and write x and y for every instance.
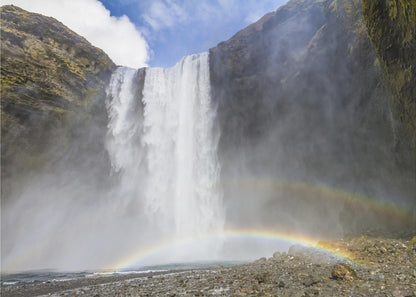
(52, 88)
(392, 30)
(303, 96)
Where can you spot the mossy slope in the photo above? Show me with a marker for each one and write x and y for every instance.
(52, 91)
(392, 29)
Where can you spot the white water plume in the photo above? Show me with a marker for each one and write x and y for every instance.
(165, 147)
(124, 131)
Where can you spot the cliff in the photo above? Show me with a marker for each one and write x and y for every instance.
(392, 30)
(308, 95)
(52, 87)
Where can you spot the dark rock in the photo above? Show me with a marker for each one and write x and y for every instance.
(310, 282)
(262, 277)
(392, 29)
(301, 95)
(53, 85)
(413, 242)
(344, 272)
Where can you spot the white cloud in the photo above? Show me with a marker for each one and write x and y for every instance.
(167, 14)
(164, 14)
(117, 36)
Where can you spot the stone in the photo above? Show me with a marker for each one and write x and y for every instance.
(344, 272)
(309, 282)
(400, 293)
(284, 278)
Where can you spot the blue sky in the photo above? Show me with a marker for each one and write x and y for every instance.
(157, 33)
(174, 29)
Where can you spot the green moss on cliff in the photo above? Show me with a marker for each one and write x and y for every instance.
(392, 29)
(52, 84)
(309, 73)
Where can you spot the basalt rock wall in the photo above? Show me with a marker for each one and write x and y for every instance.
(53, 84)
(306, 95)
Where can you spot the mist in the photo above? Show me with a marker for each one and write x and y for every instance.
(287, 127)
(308, 132)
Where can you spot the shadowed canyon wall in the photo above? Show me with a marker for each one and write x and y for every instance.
(303, 97)
(392, 30)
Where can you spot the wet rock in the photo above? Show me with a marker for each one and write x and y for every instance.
(344, 272)
(301, 294)
(276, 255)
(399, 293)
(413, 242)
(262, 277)
(310, 282)
(297, 250)
(261, 260)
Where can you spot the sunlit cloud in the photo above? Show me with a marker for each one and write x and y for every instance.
(117, 36)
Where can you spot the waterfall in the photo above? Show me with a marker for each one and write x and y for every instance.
(164, 146)
(124, 132)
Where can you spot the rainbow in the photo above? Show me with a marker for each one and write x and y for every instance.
(386, 210)
(321, 192)
(134, 259)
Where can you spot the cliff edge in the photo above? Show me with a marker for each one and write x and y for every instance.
(52, 88)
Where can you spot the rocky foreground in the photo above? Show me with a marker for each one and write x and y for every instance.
(372, 267)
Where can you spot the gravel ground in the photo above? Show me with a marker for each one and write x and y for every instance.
(378, 267)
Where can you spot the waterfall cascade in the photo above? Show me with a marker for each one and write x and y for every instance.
(165, 147)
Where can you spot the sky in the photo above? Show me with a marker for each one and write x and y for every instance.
(156, 33)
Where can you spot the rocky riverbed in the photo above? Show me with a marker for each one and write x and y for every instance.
(371, 267)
